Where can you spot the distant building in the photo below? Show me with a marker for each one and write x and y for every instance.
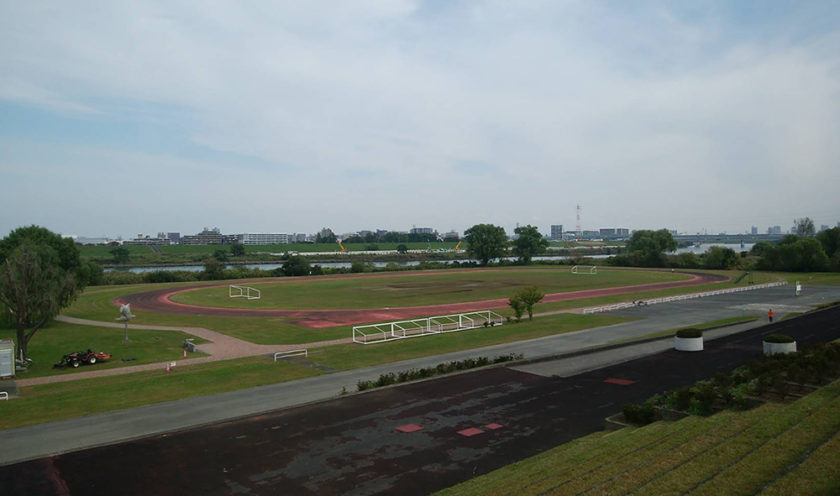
(824, 227)
(148, 240)
(422, 230)
(556, 232)
(754, 230)
(451, 235)
(209, 237)
(264, 239)
(174, 238)
(774, 230)
(614, 231)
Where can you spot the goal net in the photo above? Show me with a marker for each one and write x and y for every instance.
(585, 269)
(246, 292)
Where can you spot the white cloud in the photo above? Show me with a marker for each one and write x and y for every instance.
(397, 113)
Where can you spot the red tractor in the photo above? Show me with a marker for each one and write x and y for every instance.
(77, 358)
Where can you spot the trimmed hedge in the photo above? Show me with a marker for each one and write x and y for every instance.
(690, 333)
(778, 338)
(440, 369)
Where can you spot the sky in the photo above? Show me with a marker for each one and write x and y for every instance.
(122, 118)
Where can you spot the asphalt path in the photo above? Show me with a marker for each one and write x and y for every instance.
(457, 427)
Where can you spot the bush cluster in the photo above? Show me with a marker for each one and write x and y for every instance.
(440, 369)
(739, 389)
(778, 338)
(690, 333)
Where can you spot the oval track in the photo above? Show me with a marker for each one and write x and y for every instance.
(158, 301)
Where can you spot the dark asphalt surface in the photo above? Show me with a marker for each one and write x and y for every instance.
(350, 445)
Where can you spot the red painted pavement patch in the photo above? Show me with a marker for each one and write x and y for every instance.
(409, 428)
(472, 431)
(620, 382)
(494, 426)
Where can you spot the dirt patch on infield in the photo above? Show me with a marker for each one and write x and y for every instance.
(159, 301)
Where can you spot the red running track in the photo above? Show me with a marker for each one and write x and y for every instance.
(158, 301)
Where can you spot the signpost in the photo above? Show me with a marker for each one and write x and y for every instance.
(125, 316)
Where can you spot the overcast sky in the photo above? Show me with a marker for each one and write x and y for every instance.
(121, 118)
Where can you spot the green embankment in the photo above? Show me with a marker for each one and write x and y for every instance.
(778, 449)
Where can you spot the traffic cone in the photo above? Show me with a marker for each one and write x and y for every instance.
(185, 353)
(167, 367)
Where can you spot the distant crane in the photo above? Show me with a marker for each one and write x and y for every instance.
(343, 249)
(458, 246)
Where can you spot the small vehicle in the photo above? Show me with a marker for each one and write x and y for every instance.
(77, 358)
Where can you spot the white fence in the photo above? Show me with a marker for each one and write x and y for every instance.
(389, 331)
(669, 299)
(291, 353)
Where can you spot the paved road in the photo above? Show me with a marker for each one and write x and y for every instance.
(464, 425)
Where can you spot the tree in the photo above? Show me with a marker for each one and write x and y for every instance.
(120, 253)
(357, 266)
(220, 255)
(295, 265)
(804, 227)
(830, 240)
(237, 250)
(213, 269)
(529, 243)
(719, 257)
(401, 248)
(326, 236)
(528, 297)
(517, 306)
(646, 248)
(64, 251)
(33, 289)
(485, 242)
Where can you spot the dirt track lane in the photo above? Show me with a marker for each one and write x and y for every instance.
(158, 301)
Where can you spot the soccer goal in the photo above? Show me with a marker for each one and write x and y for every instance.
(585, 269)
(246, 292)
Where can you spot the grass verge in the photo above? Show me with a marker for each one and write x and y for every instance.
(51, 343)
(50, 402)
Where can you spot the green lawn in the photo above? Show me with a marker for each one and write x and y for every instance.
(400, 290)
(51, 343)
(780, 449)
(51, 402)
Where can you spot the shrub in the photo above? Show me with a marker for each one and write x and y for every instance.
(639, 414)
(778, 338)
(690, 333)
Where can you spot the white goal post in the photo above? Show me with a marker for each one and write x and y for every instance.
(585, 269)
(246, 292)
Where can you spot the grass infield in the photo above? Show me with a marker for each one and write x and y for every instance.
(401, 290)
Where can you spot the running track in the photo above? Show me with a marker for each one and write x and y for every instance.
(159, 301)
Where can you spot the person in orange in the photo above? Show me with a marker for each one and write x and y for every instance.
(770, 315)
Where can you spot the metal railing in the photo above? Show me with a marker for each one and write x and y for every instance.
(669, 299)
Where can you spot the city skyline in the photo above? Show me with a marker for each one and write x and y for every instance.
(134, 118)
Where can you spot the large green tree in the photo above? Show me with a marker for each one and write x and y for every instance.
(33, 289)
(647, 248)
(486, 242)
(528, 243)
(63, 250)
(295, 265)
(804, 227)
